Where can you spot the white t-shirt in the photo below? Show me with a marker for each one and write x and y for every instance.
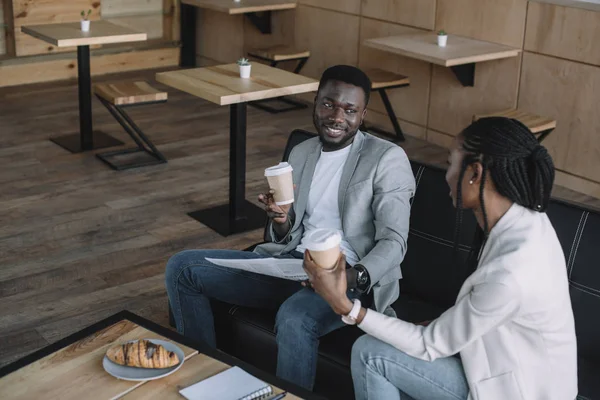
(322, 209)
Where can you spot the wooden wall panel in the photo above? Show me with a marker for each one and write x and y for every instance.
(119, 8)
(346, 6)
(171, 23)
(33, 12)
(283, 27)
(219, 36)
(565, 32)
(440, 139)
(332, 38)
(575, 183)
(141, 15)
(381, 120)
(418, 13)
(453, 106)
(567, 91)
(410, 103)
(492, 20)
(41, 70)
(2, 29)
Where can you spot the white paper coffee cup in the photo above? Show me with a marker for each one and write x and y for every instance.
(324, 247)
(281, 182)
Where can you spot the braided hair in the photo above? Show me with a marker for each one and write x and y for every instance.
(521, 169)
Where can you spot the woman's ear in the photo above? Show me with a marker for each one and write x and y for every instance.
(475, 171)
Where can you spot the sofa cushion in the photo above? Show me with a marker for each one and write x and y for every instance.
(589, 384)
(578, 230)
(428, 270)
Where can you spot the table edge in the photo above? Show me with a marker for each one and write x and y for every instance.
(26, 30)
(163, 331)
(125, 38)
(129, 37)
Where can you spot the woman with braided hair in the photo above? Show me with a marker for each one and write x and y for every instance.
(511, 330)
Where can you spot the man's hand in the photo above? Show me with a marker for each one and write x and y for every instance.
(279, 214)
(330, 284)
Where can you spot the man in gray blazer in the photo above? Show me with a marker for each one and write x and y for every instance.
(345, 180)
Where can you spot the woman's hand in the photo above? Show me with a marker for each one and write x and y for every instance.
(331, 284)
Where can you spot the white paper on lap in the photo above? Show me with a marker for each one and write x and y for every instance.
(284, 268)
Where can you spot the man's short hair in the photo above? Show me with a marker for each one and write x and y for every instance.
(348, 74)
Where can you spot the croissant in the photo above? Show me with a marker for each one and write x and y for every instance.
(142, 354)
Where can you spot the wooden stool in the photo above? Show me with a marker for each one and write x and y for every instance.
(115, 97)
(380, 81)
(274, 55)
(538, 125)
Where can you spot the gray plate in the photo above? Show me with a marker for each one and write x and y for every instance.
(144, 374)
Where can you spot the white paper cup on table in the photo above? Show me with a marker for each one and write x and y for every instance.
(324, 247)
(281, 182)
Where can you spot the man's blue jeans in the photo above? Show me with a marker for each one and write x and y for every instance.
(302, 317)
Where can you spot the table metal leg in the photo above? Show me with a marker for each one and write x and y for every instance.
(188, 36)
(85, 140)
(239, 215)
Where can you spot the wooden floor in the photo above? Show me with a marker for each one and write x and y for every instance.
(79, 241)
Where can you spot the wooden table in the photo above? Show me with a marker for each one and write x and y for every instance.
(461, 54)
(70, 34)
(257, 11)
(222, 85)
(72, 368)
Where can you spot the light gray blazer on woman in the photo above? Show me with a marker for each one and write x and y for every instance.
(376, 187)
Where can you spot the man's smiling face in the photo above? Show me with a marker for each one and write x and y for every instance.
(338, 113)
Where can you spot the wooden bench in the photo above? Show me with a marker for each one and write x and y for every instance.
(537, 124)
(274, 55)
(115, 97)
(381, 81)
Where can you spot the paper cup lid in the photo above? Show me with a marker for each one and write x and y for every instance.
(322, 239)
(279, 169)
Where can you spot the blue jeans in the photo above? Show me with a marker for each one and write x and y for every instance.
(380, 371)
(302, 317)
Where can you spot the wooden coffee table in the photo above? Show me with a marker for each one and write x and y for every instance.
(222, 85)
(72, 367)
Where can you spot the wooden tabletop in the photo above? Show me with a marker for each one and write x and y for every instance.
(70, 34)
(459, 50)
(222, 84)
(194, 370)
(242, 6)
(76, 372)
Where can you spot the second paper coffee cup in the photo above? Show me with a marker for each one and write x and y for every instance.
(281, 182)
(324, 247)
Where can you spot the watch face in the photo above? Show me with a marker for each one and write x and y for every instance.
(362, 278)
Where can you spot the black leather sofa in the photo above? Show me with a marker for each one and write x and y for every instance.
(431, 283)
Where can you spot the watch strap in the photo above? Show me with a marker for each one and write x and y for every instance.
(350, 319)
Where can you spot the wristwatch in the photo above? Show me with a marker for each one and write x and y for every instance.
(350, 319)
(363, 280)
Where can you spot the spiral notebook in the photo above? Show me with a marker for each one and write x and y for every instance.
(231, 384)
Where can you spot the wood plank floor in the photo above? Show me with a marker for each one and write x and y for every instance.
(79, 241)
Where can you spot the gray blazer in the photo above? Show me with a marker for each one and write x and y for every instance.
(376, 187)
